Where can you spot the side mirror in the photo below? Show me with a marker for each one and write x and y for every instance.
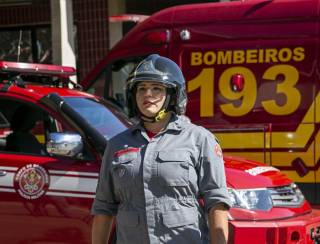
(64, 144)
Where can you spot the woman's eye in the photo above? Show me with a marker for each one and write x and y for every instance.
(157, 89)
(141, 89)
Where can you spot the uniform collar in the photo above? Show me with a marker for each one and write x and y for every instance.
(176, 123)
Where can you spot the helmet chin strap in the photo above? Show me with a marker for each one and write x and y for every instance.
(160, 115)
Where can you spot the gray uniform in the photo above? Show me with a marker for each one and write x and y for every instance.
(152, 185)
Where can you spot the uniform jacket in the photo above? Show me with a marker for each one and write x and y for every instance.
(152, 186)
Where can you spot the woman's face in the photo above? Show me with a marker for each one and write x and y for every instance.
(150, 97)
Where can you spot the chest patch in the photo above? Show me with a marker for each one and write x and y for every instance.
(126, 154)
(218, 151)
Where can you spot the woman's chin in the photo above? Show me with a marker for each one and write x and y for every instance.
(149, 114)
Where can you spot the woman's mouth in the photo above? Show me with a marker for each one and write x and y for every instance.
(148, 103)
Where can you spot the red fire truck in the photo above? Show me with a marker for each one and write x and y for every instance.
(51, 155)
(252, 71)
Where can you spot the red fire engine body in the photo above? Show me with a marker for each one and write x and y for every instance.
(48, 174)
(252, 71)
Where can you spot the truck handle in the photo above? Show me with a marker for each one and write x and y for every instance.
(3, 173)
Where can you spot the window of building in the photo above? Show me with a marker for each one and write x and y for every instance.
(26, 44)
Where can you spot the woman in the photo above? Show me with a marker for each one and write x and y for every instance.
(154, 173)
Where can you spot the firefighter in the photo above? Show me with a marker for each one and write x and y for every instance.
(154, 174)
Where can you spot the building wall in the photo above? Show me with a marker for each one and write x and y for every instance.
(91, 24)
(25, 14)
(91, 20)
(149, 7)
(91, 27)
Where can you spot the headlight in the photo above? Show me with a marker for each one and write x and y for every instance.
(253, 199)
(266, 198)
(286, 196)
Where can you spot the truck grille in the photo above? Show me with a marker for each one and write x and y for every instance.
(284, 196)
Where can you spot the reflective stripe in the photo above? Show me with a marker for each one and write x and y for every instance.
(7, 189)
(65, 194)
(75, 184)
(62, 183)
(7, 180)
(61, 172)
(8, 168)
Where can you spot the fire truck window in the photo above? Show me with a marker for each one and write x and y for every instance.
(121, 70)
(120, 74)
(111, 82)
(4, 128)
(25, 134)
(3, 121)
(98, 87)
(25, 127)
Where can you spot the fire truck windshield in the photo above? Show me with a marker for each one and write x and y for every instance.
(98, 115)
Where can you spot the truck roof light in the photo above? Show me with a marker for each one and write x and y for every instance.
(128, 18)
(36, 69)
(158, 37)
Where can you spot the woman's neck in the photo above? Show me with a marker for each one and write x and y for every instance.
(158, 126)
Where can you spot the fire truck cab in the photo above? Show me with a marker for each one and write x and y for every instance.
(252, 71)
(52, 139)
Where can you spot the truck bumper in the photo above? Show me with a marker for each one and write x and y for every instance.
(302, 229)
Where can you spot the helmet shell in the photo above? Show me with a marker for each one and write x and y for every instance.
(158, 69)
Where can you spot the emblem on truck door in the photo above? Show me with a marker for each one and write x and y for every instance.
(31, 181)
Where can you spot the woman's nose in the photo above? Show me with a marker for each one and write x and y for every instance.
(148, 92)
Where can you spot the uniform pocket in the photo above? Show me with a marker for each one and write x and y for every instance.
(122, 170)
(173, 168)
(180, 217)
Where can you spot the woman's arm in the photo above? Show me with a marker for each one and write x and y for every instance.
(218, 224)
(101, 228)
